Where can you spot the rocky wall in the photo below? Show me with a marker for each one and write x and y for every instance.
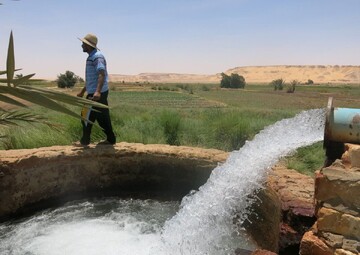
(296, 194)
(337, 200)
(32, 179)
(36, 177)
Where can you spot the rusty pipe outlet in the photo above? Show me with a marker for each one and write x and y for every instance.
(342, 124)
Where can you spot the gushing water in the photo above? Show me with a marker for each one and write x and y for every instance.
(203, 225)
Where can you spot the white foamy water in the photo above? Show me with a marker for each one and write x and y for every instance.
(105, 227)
(202, 226)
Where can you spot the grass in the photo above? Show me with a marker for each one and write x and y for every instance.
(307, 159)
(192, 115)
(164, 98)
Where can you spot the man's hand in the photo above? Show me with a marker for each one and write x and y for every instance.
(82, 92)
(96, 96)
(101, 80)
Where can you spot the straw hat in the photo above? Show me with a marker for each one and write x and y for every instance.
(91, 40)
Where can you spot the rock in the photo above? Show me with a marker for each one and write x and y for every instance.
(333, 186)
(336, 222)
(352, 155)
(34, 176)
(332, 240)
(351, 245)
(263, 224)
(344, 252)
(337, 193)
(296, 193)
(312, 245)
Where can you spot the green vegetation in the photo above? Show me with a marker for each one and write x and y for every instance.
(234, 81)
(309, 82)
(170, 121)
(290, 88)
(201, 115)
(177, 114)
(278, 84)
(68, 80)
(307, 159)
(190, 115)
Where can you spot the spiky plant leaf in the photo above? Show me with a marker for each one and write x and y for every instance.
(10, 100)
(38, 99)
(65, 98)
(5, 72)
(14, 118)
(23, 79)
(10, 62)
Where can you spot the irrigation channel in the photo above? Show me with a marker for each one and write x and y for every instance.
(201, 224)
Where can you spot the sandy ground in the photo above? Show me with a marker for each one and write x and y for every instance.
(257, 74)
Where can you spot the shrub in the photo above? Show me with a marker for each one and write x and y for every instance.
(67, 80)
(291, 87)
(164, 88)
(309, 82)
(233, 81)
(185, 87)
(278, 84)
(237, 81)
(170, 121)
(225, 81)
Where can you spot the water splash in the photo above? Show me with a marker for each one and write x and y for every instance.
(108, 227)
(203, 224)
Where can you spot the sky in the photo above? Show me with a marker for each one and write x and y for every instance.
(179, 36)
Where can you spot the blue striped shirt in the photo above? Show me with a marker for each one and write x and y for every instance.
(94, 63)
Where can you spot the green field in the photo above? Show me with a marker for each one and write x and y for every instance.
(190, 114)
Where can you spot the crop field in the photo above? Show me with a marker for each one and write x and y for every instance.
(189, 114)
(254, 96)
(168, 99)
(260, 97)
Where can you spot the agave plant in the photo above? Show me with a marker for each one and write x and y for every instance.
(11, 90)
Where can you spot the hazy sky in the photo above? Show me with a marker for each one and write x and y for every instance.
(180, 36)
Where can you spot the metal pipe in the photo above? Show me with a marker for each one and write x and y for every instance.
(342, 124)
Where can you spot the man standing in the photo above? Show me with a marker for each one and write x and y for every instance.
(96, 87)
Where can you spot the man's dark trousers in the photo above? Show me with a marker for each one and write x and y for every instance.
(102, 117)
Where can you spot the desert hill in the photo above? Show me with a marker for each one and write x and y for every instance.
(257, 74)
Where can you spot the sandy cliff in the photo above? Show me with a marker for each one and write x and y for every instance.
(257, 74)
